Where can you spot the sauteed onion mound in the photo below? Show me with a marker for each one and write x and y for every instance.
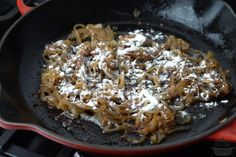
(139, 82)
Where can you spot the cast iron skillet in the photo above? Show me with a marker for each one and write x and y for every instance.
(207, 25)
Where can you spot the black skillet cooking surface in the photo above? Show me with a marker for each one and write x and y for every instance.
(207, 25)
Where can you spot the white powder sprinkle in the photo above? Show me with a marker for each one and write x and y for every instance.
(66, 88)
(140, 91)
(62, 73)
(146, 96)
(50, 66)
(203, 64)
(58, 43)
(92, 103)
(224, 101)
(57, 68)
(82, 73)
(210, 105)
(184, 113)
(91, 119)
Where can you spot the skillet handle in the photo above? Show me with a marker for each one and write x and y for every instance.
(23, 8)
(226, 134)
